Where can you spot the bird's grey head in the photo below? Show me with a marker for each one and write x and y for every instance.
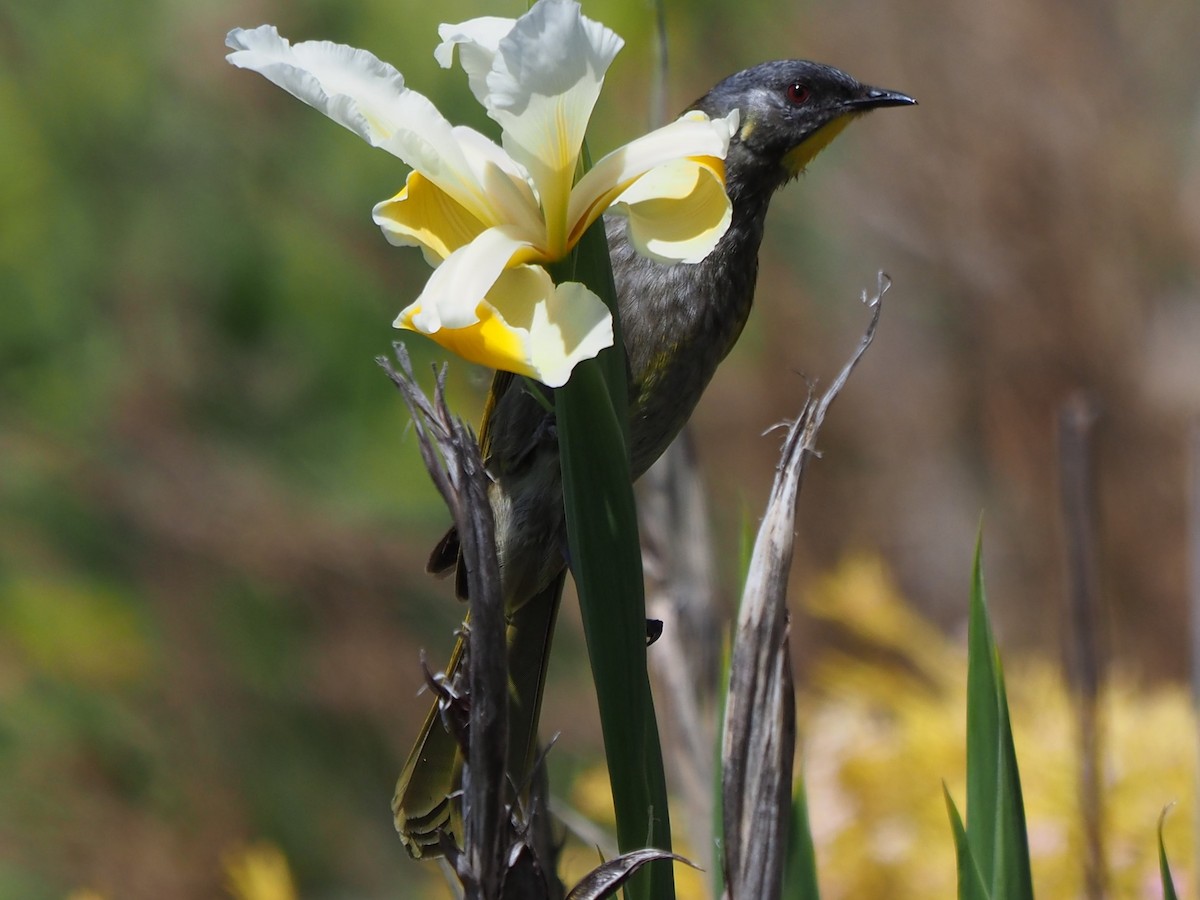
(790, 110)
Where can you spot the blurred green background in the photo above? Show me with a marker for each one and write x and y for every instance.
(213, 522)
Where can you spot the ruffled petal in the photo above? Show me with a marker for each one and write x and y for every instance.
(531, 326)
(455, 289)
(425, 216)
(679, 211)
(490, 342)
(477, 41)
(546, 76)
(572, 325)
(367, 96)
(691, 135)
(504, 181)
(548, 52)
(352, 87)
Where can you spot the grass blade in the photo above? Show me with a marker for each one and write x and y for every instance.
(800, 870)
(1012, 857)
(1164, 868)
(983, 729)
(970, 881)
(995, 808)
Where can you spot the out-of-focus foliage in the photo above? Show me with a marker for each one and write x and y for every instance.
(211, 523)
(883, 724)
(213, 528)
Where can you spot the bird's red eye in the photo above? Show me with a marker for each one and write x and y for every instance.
(797, 93)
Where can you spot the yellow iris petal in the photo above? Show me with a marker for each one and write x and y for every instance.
(560, 324)
(660, 164)
(679, 211)
(529, 325)
(426, 216)
(491, 342)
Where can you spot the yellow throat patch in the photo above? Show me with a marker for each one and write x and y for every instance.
(796, 159)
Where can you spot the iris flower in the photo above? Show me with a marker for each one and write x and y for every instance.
(490, 217)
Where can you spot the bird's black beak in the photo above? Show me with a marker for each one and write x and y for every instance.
(873, 98)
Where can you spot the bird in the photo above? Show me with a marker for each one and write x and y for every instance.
(678, 323)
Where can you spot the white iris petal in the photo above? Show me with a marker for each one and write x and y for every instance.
(459, 284)
(490, 217)
(477, 41)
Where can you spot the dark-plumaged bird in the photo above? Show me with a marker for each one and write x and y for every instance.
(678, 322)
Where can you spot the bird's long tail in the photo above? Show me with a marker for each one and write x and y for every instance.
(426, 801)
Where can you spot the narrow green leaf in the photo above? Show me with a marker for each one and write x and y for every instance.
(594, 268)
(1012, 870)
(746, 535)
(1164, 868)
(995, 806)
(983, 728)
(606, 563)
(970, 881)
(800, 871)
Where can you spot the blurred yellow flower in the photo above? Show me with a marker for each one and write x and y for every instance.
(259, 872)
(491, 218)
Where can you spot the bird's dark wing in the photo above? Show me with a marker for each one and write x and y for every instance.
(515, 420)
(447, 553)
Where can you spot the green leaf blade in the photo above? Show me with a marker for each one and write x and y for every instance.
(983, 728)
(800, 870)
(996, 829)
(1012, 870)
(970, 881)
(1164, 867)
(606, 563)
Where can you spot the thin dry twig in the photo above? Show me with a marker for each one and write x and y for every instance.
(1085, 657)
(760, 724)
